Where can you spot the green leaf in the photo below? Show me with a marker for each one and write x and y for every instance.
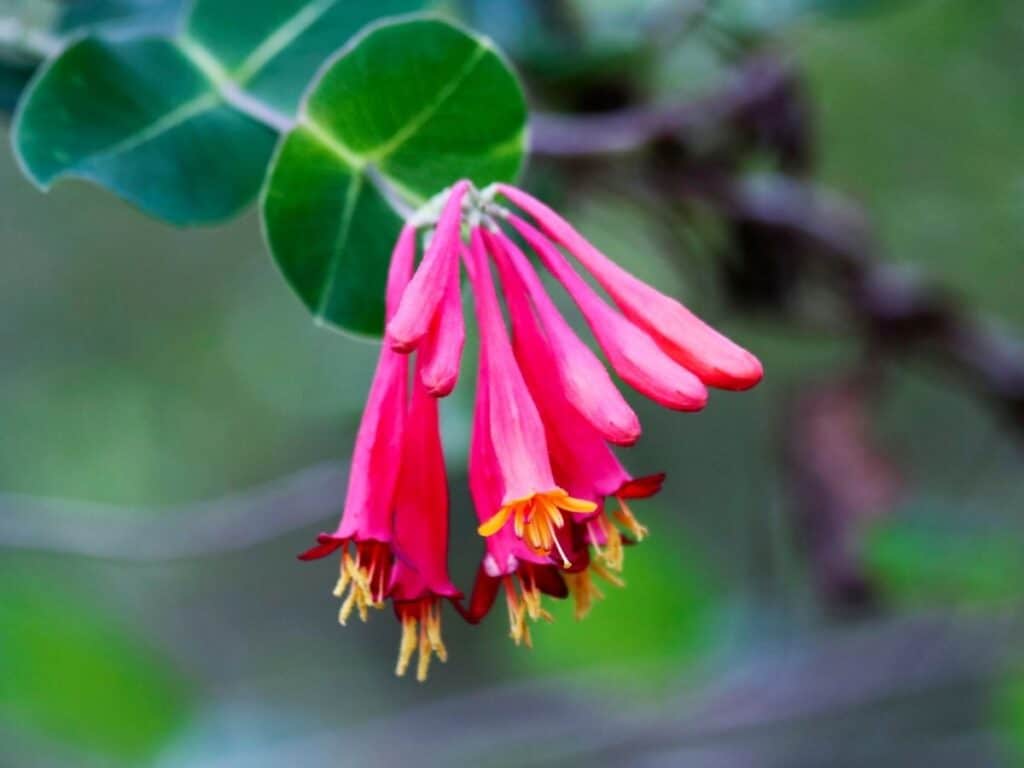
(142, 120)
(122, 16)
(183, 128)
(408, 109)
(70, 676)
(274, 47)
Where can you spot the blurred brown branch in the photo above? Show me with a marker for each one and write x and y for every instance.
(840, 478)
(585, 136)
(827, 238)
(213, 526)
(927, 676)
(896, 311)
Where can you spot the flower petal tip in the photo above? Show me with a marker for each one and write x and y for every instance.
(743, 373)
(439, 386)
(624, 436)
(688, 401)
(398, 344)
(642, 487)
(326, 545)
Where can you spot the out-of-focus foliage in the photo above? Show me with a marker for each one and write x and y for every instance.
(941, 125)
(667, 614)
(69, 673)
(921, 564)
(1010, 713)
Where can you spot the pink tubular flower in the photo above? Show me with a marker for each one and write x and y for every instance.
(426, 290)
(419, 577)
(691, 342)
(373, 474)
(530, 498)
(581, 460)
(632, 353)
(551, 496)
(507, 561)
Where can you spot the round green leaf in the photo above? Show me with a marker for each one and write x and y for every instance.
(405, 111)
(275, 47)
(183, 128)
(141, 119)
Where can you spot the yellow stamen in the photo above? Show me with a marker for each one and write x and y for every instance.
(584, 592)
(612, 553)
(358, 579)
(421, 633)
(583, 589)
(625, 517)
(612, 578)
(537, 517)
(523, 605)
(407, 646)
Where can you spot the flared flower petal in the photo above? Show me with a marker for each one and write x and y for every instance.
(507, 561)
(425, 292)
(633, 354)
(718, 361)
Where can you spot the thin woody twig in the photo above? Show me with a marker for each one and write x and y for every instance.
(895, 309)
(581, 136)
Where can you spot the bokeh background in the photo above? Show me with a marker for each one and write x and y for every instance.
(835, 573)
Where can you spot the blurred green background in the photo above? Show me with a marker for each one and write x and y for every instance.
(146, 368)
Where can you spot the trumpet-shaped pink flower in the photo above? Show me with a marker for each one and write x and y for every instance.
(531, 498)
(581, 460)
(374, 469)
(689, 340)
(551, 496)
(507, 562)
(419, 577)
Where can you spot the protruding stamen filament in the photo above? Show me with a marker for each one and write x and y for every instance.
(584, 592)
(610, 552)
(421, 633)
(522, 605)
(626, 519)
(583, 589)
(363, 577)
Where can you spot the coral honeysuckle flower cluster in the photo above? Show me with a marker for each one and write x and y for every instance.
(551, 496)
